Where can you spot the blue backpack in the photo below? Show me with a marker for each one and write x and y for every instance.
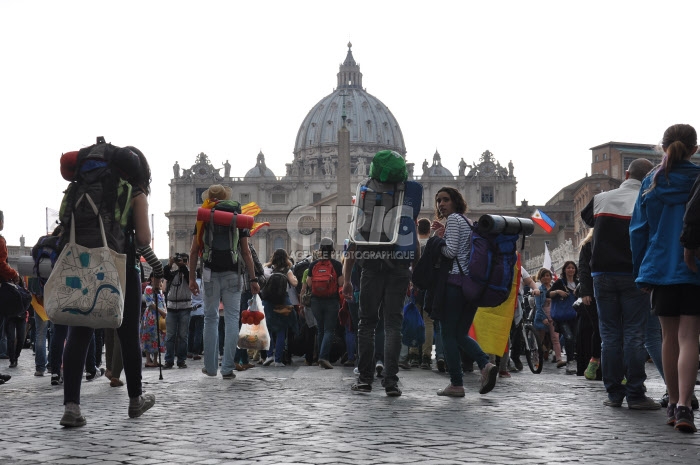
(413, 327)
(47, 247)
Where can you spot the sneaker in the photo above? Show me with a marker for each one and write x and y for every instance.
(38, 373)
(361, 387)
(425, 362)
(684, 420)
(356, 371)
(379, 367)
(325, 364)
(349, 363)
(488, 378)
(645, 403)
(56, 380)
(116, 382)
(561, 363)
(441, 365)
(405, 364)
(13, 364)
(72, 418)
(182, 365)
(518, 364)
(503, 374)
(280, 364)
(96, 374)
(168, 365)
(138, 405)
(612, 403)
(414, 361)
(571, 367)
(231, 375)
(591, 369)
(671, 414)
(268, 361)
(392, 391)
(452, 391)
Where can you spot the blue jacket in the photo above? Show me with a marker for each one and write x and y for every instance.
(655, 229)
(540, 301)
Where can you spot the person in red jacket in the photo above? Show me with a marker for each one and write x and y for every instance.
(7, 273)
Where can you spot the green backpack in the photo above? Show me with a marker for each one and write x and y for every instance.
(388, 166)
(221, 242)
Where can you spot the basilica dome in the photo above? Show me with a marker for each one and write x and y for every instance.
(260, 170)
(371, 124)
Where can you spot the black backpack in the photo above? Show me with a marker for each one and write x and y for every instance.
(298, 271)
(275, 290)
(47, 247)
(99, 191)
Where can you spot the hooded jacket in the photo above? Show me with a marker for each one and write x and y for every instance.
(655, 229)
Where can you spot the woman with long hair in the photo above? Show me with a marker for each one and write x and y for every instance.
(451, 207)
(543, 316)
(659, 268)
(563, 291)
(138, 233)
(588, 343)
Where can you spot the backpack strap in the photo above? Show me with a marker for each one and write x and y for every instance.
(232, 235)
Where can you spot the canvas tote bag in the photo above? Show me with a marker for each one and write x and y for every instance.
(86, 286)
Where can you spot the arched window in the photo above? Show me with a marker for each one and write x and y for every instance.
(279, 243)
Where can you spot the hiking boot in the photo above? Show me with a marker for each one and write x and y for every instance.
(684, 420)
(591, 369)
(414, 361)
(393, 391)
(645, 403)
(325, 364)
(138, 405)
(361, 387)
(425, 362)
(671, 414)
(571, 367)
(451, 391)
(182, 365)
(72, 418)
(488, 378)
(379, 367)
(441, 365)
(404, 363)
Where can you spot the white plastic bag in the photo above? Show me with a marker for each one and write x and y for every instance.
(255, 337)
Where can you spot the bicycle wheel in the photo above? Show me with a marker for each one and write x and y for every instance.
(533, 350)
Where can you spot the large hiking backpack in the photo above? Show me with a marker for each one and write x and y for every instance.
(323, 280)
(221, 242)
(97, 179)
(388, 166)
(275, 290)
(177, 294)
(488, 279)
(46, 248)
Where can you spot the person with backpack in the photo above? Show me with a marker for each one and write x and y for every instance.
(221, 278)
(178, 298)
(458, 313)
(325, 275)
(100, 176)
(279, 312)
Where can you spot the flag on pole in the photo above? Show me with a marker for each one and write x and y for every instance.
(547, 262)
(543, 220)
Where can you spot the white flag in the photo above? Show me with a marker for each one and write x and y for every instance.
(547, 263)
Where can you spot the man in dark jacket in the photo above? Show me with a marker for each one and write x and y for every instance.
(178, 298)
(623, 309)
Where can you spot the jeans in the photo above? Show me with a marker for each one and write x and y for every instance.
(567, 330)
(623, 311)
(382, 294)
(40, 343)
(194, 338)
(455, 326)
(177, 328)
(652, 342)
(326, 313)
(223, 286)
(79, 338)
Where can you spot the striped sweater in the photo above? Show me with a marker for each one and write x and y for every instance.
(457, 238)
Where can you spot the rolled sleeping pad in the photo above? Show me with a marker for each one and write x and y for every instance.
(222, 218)
(497, 224)
(69, 165)
(25, 267)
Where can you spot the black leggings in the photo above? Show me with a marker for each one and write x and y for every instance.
(79, 338)
(14, 331)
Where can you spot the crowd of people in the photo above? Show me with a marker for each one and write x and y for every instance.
(629, 298)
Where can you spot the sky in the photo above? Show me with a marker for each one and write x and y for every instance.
(536, 82)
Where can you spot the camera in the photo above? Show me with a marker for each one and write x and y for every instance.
(181, 257)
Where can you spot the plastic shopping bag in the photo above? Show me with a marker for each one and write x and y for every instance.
(254, 337)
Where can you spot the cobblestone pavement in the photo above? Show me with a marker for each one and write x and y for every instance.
(301, 414)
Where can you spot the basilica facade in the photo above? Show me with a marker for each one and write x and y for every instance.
(301, 203)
